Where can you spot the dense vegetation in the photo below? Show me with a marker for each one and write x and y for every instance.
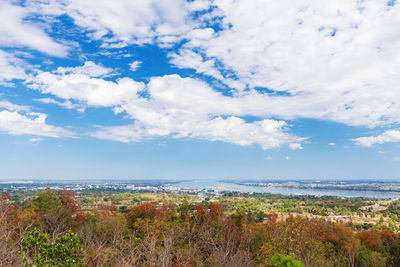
(124, 229)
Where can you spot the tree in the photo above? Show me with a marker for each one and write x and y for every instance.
(279, 260)
(370, 240)
(394, 257)
(46, 202)
(64, 252)
(47, 206)
(365, 258)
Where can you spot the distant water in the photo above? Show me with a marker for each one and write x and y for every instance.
(224, 186)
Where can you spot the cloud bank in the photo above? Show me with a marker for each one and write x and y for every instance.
(272, 61)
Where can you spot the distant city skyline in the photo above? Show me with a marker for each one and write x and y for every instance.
(199, 89)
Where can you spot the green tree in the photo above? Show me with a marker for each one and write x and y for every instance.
(63, 252)
(46, 202)
(279, 260)
(365, 258)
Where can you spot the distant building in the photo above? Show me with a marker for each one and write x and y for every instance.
(375, 207)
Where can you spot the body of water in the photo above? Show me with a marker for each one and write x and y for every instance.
(225, 186)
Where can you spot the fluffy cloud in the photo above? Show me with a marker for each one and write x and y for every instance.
(335, 61)
(266, 133)
(15, 123)
(20, 120)
(123, 22)
(285, 60)
(175, 106)
(388, 136)
(83, 84)
(16, 31)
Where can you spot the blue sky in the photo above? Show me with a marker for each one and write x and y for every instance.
(199, 89)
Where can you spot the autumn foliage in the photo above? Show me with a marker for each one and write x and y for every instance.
(186, 234)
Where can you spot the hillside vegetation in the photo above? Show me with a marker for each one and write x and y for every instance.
(57, 229)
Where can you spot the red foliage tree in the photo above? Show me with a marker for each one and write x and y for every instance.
(215, 210)
(370, 240)
(68, 201)
(387, 237)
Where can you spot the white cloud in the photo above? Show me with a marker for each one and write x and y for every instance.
(287, 158)
(14, 123)
(82, 84)
(16, 31)
(20, 120)
(89, 69)
(332, 144)
(5, 104)
(267, 133)
(295, 146)
(10, 67)
(176, 106)
(189, 59)
(135, 65)
(121, 22)
(389, 136)
(335, 61)
(186, 107)
(66, 104)
(35, 140)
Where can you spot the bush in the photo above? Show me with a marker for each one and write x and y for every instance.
(279, 260)
(64, 252)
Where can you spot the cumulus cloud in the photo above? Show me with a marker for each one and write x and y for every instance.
(285, 60)
(19, 120)
(335, 61)
(15, 123)
(389, 136)
(89, 68)
(82, 84)
(266, 133)
(176, 106)
(16, 31)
